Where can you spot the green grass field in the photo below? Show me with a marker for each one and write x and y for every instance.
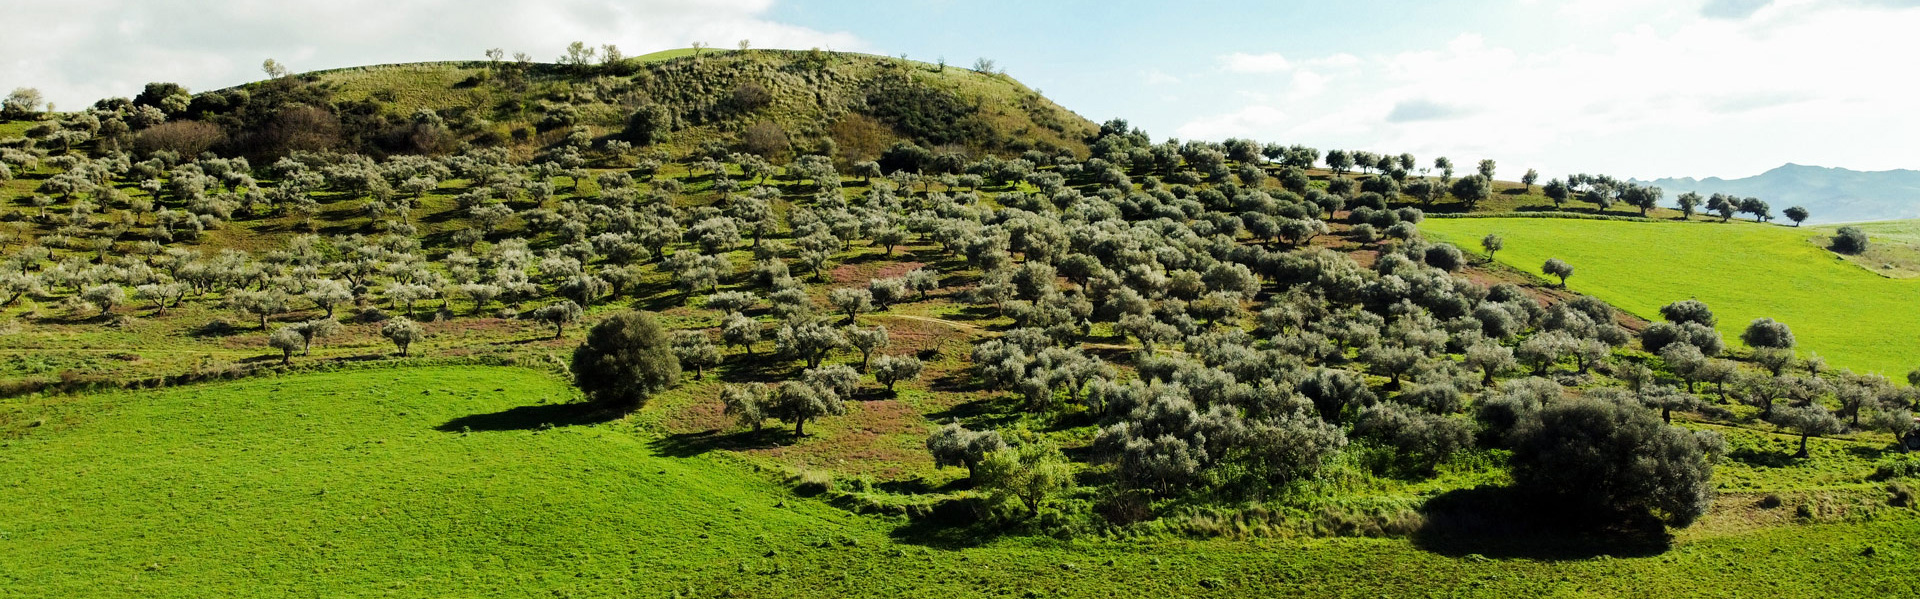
(440, 482)
(1894, 251)
(1849, 316)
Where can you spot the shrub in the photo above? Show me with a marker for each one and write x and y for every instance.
(624, 360)
(1899, 466)
(1609, 460)
(184, 138)
(1850, 240)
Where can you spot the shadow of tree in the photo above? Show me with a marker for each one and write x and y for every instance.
(953, 524)
(1763, 459)
(1869, 452)
(686, 445)
(1502, 523)
(534, 417)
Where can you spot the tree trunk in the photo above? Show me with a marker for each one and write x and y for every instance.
(800, 428)
(1803, 447)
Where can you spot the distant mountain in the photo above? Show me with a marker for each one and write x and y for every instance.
(1833, 195)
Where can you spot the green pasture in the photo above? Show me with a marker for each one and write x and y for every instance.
(1851, 317)
(483, 481)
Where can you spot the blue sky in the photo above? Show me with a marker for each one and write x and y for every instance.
(1638, 88)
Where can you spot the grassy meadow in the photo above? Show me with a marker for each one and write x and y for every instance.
(484, 481)
(1851, 317)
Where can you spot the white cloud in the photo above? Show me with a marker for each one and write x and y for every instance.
(1790, 81)
(1241, 62)
(82, 50)
(1251, 118)
(1158, 77)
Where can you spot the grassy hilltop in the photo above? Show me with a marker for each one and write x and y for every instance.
(313, 335)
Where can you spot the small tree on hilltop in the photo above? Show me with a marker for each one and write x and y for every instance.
(624, 360)
(1689, 203)
(1472, 189)
(1492, 243)
(1797, 214)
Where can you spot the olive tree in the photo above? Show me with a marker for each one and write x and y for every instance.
(1797, 214)
(746, 403)
(1554, 267)
(1612, 458)
(1767, 333)
(624, 360)
(796, 402)
(889, 369)
(695, 350)
(1492, 243)
(955, 445)
(1850, 240)
(1807, 421)
(1029, 473)
(287, 340)
(402, 332)
(738, 330)
(558, 314)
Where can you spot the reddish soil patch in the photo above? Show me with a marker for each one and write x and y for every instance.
(870, 269)
(880, 438)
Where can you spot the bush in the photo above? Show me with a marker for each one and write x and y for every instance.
(1899, 466)
(1609, 460)
(1850, 240)
(185, 138)
(624, 360)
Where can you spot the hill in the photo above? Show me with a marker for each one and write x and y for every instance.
(1850, 317)
(1833, 195)
(776, 103)
(443, 481)
(1218, 355)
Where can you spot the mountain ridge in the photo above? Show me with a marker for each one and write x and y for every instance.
(1831, 194)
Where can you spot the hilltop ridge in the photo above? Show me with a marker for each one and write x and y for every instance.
(779, 103)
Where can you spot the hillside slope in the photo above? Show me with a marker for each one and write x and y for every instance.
(1833, 195)
(435, 482)
(1851, 317)
(795, 102)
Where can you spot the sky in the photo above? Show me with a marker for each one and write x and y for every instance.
(1630, 88)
